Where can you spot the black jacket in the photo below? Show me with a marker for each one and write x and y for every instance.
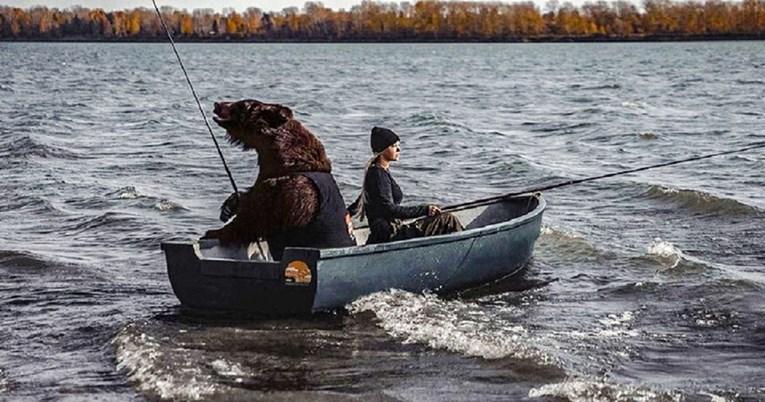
(326, 230)
(382, 207)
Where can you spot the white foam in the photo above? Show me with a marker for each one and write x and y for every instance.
(715, 398)
(580, 390)
(615, 325)
(128, 193)
(634, 105)
(166, 205)
(559, 232)
(452, 325)
(665, 252)
(228, 369)
(3, 382)
(143, 359)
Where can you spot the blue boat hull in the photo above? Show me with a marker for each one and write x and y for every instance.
(498, 241)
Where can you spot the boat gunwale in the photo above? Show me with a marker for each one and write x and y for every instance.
(342, 252)
(333, 253)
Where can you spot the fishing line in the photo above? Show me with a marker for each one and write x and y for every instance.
(196, 98)
(496, 198)
(204, 116)
(490, 200)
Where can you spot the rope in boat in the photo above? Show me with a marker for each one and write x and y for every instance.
(490, 200)
(196, 98)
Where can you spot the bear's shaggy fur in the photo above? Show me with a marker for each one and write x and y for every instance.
(279, 200)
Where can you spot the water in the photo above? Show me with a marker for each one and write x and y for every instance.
(648, 286)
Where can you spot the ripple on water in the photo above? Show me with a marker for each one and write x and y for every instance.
(4, 383)
(127, 196)
(23, 260)
(700, 201)
(25, 147)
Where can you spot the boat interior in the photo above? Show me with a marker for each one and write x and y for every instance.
(471, 217)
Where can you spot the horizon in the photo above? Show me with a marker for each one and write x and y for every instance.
(238, 5)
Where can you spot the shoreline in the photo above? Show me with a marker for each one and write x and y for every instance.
(537, 39)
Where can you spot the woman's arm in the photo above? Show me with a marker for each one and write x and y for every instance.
(379, 190)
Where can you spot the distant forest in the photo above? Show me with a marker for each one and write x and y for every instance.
(426, 20)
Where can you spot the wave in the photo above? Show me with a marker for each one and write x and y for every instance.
(130, 193)
(564, 243)
(700, 201)
(143, 358)
(595, 87)
(576, 390)
(434, 120)
(164, 205)
(671, 258)
(3, 381)
(665, 253)
(750, 82)
(452, 325)
(562, 127)
(125, 193)
(30, 204)
(634, 105)
(105, 219)
(20, 259)
(26, 147)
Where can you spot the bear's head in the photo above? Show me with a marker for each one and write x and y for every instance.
(250, 123)
(282, 143)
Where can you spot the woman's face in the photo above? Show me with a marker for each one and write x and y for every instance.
(392, 152)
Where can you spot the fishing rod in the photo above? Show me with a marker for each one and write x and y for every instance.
(196, 98)
(204, 116)
(493, 199)
(500, 197)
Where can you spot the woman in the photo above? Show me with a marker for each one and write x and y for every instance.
(380, 199)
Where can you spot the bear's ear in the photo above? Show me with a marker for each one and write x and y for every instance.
(276, 115)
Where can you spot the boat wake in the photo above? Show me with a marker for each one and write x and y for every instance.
(452, 325)
(581, 390)
(700, 201)
(156, 373)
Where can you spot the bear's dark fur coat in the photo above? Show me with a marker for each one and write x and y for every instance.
(279, 200)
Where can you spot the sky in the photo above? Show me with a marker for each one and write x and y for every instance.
(239, 5)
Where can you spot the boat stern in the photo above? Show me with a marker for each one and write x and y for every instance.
(285, 287)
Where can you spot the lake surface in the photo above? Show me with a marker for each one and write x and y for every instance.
(642, 287)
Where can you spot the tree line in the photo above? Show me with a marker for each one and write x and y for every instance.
(425, 20)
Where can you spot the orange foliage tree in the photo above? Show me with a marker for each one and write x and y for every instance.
(380, 21)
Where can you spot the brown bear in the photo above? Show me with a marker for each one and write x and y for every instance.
(295, 200)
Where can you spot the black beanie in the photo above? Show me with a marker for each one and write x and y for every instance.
(382, 138)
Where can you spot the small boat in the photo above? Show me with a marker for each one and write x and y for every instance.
(497, 241)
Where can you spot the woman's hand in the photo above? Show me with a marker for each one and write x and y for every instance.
(433, 210)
